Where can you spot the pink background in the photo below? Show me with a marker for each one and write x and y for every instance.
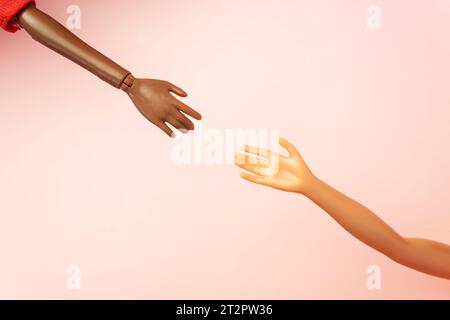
(85, 180)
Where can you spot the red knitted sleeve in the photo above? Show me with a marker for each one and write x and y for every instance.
(8, 10)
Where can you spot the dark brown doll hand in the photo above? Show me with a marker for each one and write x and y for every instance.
(154, 99)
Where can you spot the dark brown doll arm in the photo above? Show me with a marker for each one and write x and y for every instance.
(55, 36)
(153, 98)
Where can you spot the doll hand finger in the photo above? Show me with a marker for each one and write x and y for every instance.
(257, 151)
(289, 147)
(188, 124)
(188, 110)
(177, 90)
(242, 158)
(252, 178)
(165, 128)
(253, 168)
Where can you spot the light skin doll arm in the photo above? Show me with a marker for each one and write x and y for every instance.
(153, 98)
(291, 173)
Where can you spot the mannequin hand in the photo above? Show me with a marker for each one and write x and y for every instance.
(274, 170)
(154, 100)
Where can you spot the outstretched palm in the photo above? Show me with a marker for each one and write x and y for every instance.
(287, 173)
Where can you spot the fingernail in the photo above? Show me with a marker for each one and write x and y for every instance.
(173, 135)
(184, 131)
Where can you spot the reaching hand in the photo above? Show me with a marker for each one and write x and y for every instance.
(154, 100)
(274, 170)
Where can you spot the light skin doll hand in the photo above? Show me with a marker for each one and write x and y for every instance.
(154, 100)
(287, 173)
(292, 174)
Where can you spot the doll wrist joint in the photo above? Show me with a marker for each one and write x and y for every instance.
(127, 82)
